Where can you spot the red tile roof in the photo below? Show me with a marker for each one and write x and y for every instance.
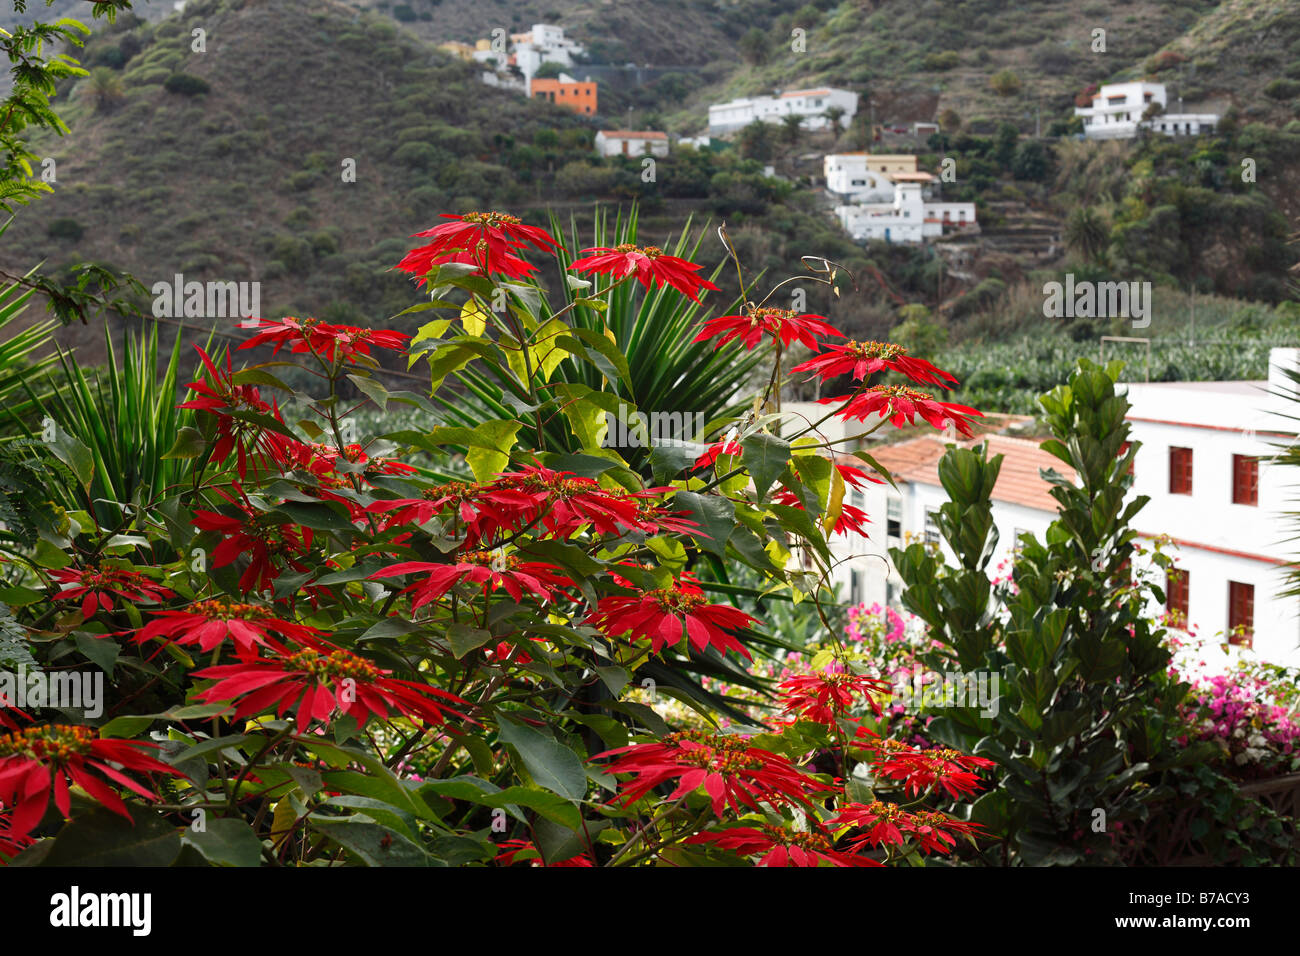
(1019, 481)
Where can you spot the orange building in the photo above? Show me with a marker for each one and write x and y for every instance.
(579, 97)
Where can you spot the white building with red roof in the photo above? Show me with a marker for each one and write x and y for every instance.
(1021, 503)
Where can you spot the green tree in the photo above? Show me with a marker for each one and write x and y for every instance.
(1087, 234)
(757, 141)
(1032, 161)
(1005, 83)
(754, 46)
(105, 87)
(836, 116)
(1086, 713)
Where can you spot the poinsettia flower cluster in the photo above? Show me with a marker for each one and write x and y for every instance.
(490, 241)
(663, 615)
(324, 339)
(250, 440)
(97, 586)
(898, 403)
(778, 325)
(42, 761)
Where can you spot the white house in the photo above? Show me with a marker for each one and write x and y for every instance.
(810, 104)
(1220, 505)
(1117, 113)
(626, 142)
(909, 218)
(1020, 503)
(852, 178)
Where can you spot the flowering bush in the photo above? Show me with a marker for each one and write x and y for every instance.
(426, 646)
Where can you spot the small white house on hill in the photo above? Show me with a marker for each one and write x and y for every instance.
(809, 104)
(625, 142)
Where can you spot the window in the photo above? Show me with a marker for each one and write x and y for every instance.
(857, 499)
(931, 527)
(1015, 539)
(891, 593)
(1176, 591)
(855, 587)
(893, 518)
(1245, 480)
(1241, 613)
(1180, 471)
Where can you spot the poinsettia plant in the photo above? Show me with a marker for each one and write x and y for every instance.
(445, 645)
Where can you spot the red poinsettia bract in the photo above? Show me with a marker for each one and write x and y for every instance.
(661, 616)
(321, 681)
(95, 586)
(919, 770)
(900, 404)
(491, 241)
(783, 325)
(490, 569)
(888, 824)
(44, 760)
(221, 397)
(264, 543)
(649, 265)
(567, 503)
(780, 846)
(825, 695)
(523, 851)
(731, 770)
(209, 623)
(323, 338)
(866, 358)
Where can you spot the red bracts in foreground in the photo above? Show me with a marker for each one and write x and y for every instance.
(781, 325)
(209, 623)
(866, 358)
(565, 503)
(320, 682)
(889, 824)
(649, 265)
(95, 585)
(660, 616)
(781, 846)
(324, 339)
(44, 760)
(919, 770)
(901, 404)
(824, 696)
(732, 771)
(488, 568)
(489, 240)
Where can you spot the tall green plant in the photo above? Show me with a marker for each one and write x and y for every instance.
(665, 371)
(1087, 713)
(125, 415)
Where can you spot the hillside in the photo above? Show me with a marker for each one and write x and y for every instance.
(226, 164)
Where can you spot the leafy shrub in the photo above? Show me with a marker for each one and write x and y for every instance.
(65, 228)
(186, 84)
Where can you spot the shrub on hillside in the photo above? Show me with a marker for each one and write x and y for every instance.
(186, 84)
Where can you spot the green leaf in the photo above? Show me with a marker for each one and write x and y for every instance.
(464, 638)
(189, 443)
(488, 444)
(226, 842)
(101, 837)
(372, 389)
(766, 457)
(74, 454)
(549, 763)
(102, 651)
(373, 844)
(715, 515)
